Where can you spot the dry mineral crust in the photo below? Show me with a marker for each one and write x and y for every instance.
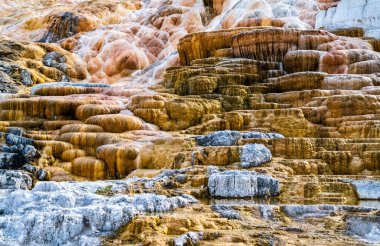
(260, 131)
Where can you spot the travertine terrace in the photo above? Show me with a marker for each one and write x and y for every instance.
(190, 122)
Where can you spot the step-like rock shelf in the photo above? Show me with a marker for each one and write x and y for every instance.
(189, 122)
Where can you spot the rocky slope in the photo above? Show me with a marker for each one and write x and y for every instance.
(247, 124)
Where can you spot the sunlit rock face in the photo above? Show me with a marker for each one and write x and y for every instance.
(220, 100)
(115, 39)
(362, 14)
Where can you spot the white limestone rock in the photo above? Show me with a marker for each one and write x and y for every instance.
(12, 179)
(367, 189)
(190, 238)
(365, 227)
(304, 211)
(254, 155)
(72, 213)
(352, 13)
(242, 184)
(231, 138)
(226, 212)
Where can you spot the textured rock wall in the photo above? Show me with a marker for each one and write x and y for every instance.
(255, 104)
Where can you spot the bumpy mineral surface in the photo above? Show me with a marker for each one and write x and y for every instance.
(189, 122)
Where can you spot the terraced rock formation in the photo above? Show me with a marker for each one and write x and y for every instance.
(237, 119)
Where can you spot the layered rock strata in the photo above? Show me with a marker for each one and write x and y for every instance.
(274, 126)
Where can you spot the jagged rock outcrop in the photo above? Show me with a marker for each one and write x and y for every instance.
(17, 153)
(20, 150)
(64, 25)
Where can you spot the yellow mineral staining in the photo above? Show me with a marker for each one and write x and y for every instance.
(88, 141)
(84, 112)
(56, 148)
(251, 22)
(120, 159)
(205, 44)
(166, 153)
(67, 90)
(89, 167)
(80, 128)
(116, 122)
(240, 66)
(71, 154)
(172, 113)
(34, 63)
(54, 20)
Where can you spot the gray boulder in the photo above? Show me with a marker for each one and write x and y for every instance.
(11, 179)
(11, 160)
(242, 184)
(29, 168)
(26, 77)
(254, 155)
(56, 60)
